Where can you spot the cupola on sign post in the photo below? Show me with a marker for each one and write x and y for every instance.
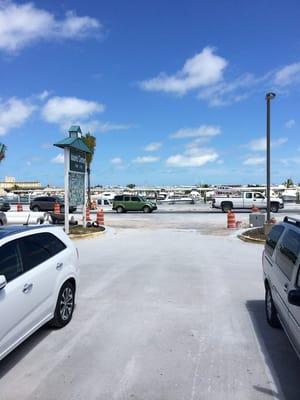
(75, 151)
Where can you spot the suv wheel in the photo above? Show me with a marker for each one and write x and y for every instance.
(147, 209)
(274, 207)
(271, 312)
(64, 306)
(35, 208)
(120, 209)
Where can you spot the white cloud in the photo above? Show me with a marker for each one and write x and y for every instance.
(225, 93)
(254, 161)
(13, 113)
(59, 159)
(288, 75)
(116, 161)
(43, 95)
(153, 146)
(290, 123)
(145, 159)
(23, 24)
(261, 145)
(201, 131)
(96, 126)
(193, 157)
(65, 110)
(204, 69)
(258, 144)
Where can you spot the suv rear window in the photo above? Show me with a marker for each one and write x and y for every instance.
(273, 238)
(288, 252)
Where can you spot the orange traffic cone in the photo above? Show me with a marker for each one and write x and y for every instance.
(56, 208)
(231, 220)
(87, 215)
(100, 217)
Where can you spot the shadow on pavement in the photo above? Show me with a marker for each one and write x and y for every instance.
(21, 351)
(278, 352)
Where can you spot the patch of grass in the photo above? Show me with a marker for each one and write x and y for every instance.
(81, 230)
(256, 233)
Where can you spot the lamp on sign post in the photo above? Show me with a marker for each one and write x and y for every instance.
(269, 96)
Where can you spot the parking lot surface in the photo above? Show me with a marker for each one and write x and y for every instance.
(169, 308)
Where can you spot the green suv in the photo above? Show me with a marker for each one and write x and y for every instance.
(124, 203)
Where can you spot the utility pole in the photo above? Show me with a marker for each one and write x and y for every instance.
(269, 97)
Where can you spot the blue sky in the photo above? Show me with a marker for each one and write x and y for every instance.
(173, 91)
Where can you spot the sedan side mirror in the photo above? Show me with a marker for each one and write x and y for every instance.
(3, 282)
(294, 297)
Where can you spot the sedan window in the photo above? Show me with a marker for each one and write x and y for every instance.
(36, 249)
(10, 264)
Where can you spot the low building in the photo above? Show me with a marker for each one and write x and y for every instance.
(10, 183)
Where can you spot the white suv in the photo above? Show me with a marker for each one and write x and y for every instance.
(38, 281)
(281, 266)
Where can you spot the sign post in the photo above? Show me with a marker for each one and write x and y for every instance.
(75, 151)
(67, 206)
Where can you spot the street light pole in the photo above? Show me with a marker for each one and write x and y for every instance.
(269, 97)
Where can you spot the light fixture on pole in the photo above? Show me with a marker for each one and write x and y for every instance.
(269, 96)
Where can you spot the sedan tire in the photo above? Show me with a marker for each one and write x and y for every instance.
(64, 306)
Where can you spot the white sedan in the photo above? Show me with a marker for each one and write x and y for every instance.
(38, 281)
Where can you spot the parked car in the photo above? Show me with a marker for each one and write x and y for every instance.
(46, 203)
(38, 282)
(124, 203)
(3, 219)
(4, 205)
(281, 269)
(246, 200)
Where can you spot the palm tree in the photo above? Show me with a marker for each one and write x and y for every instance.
(2, 151)
(90, 141)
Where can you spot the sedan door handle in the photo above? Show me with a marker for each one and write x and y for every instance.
(285, 287)
(27, 288)
(59, 266)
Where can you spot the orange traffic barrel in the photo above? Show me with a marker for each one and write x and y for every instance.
(87, 214)
(100, 217)
(19, 207)
(56, 208)
(231, 220)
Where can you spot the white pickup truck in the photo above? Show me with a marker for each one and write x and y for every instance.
(246, 200)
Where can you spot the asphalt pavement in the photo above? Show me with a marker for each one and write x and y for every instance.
(173, 311)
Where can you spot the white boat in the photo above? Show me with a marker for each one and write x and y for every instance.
(175, 199)
(105, 195)
(289, 195)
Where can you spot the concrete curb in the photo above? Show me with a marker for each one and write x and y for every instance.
(249, 239)
(89, 235)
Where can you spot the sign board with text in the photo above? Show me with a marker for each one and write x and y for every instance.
(76, 189)
(77, 161)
